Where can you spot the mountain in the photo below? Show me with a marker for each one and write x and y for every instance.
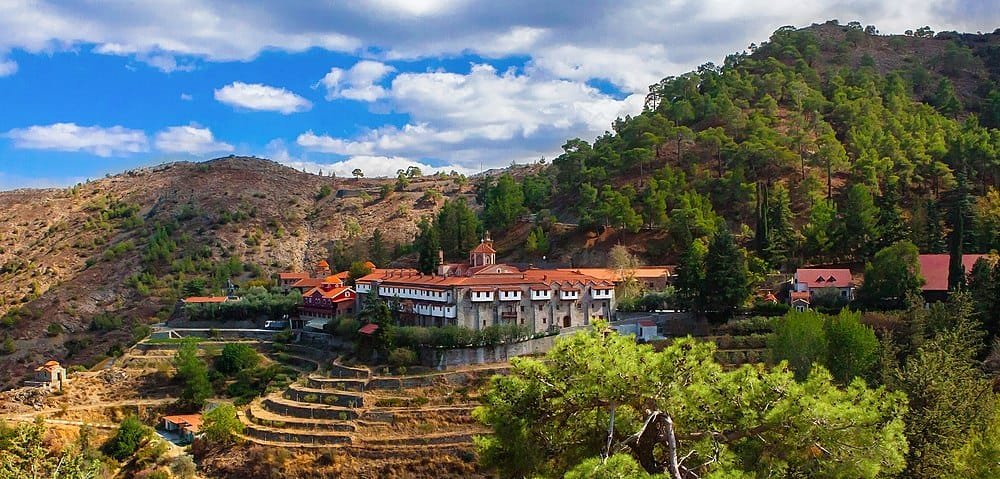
(123, 248)
(821, 145)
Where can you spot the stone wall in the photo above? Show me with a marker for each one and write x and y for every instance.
(442, 358)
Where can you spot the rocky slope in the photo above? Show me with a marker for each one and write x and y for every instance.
(66, 255)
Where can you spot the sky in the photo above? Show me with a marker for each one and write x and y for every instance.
(89, 88)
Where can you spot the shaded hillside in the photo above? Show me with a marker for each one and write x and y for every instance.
(124, 248)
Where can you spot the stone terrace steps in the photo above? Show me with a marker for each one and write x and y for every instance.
(341, 384)
(297, 392)
(261, 416)
(297, 435)
(305, 410)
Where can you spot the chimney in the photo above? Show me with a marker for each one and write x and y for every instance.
(440, 256)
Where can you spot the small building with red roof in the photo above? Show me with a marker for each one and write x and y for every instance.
(816, 280)
(934, 268)
(187, 426)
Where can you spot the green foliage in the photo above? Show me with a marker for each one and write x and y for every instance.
(221, 425)
(358, 270)
(726, 286)
(129, 437)
(537, 242)
(428, 246)
(348, 328)
(504, 203)
(800, 338)
(376, 249)
(25, 452)
(191, 370)
(979, 457)
(949, 397)
(618, 466)
(457, 228)
(454, 336)
(254, 302)
(892, 277)
(105, 322)
(691, 276)
(236, 357)
(402, 357)
(550, 416)
(323, 192)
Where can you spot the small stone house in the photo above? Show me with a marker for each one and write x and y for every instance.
(50, 374)
(185, 425)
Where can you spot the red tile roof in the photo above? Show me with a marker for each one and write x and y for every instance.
(206, 299)
(188, 422)
(307, 283)
(934, 269)
(804, 295)
(824, 278)
(484, 248)
(290, 276)
(368, 329)
(645, 323)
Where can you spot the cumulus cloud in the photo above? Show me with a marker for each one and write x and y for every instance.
(7, 67)
(190, 139)
(659, 37)
(485, 116)
(100, 141)
(186, 97)
(357, 83)
(372, 166)
(255, 96)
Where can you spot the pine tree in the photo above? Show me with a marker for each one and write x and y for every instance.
(933, 238)
(860, 221)
(428, 246)
(891, 226)
(782, 231)
(959, 205)
(690, 276)
(727, 283)
(376, 249)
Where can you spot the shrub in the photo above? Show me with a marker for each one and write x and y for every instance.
(7, 346)
(348, 327)
(323, 192)
(402, 357)
(105, 322)
(127, 439)
(221, 425)
(236, 357)
(54, 329)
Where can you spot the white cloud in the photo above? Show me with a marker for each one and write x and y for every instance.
(7, 67)
(190, 139)
(357, 83)
(372, 166)
(657, 38)
(255, 96)
(113, 141)
(186, 97)
(484, 117)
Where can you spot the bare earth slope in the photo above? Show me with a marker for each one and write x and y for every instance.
(65, 254)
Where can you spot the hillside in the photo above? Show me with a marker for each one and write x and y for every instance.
(821, 145)
(124, 247)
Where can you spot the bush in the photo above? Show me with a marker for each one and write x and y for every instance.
(105, 322)
(221, 425)
(402, 357)
(127, 440)
(236, 357)
(348, 327)
(7, 346)
(323, 192)
(769, 309)
(54, 329)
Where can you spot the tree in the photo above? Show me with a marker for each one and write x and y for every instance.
(984, 290)
(821, 231)
(727, 285)
(413, 171)
(131, 434)
(624, 264)
(193, 372)
(358, 174)
(504, 203)
(376, 249)
(959, 204)
(457, 228)
(428, 246)
(800, 339)
(691, 276)
(537, 242)
(892, 277)
(852, 347)
(221, 425)
(236, 357)
(24, 453)
(949, 397)
(677, 412)
(359, 269)
(860, 220)
(932, 238)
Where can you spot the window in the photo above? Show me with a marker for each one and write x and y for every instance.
(541, 307)
(522, 309)
(579, 306)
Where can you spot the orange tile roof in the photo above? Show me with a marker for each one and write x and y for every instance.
(307, 283)
(804, 295)
(291, 275)
(331, 293)
(484, 247)
(190, 422)
(322, 264)
(206, 299)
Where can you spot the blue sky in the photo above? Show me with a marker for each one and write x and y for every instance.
(443, 84)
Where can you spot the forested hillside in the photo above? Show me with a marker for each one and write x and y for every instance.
(821, 145)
